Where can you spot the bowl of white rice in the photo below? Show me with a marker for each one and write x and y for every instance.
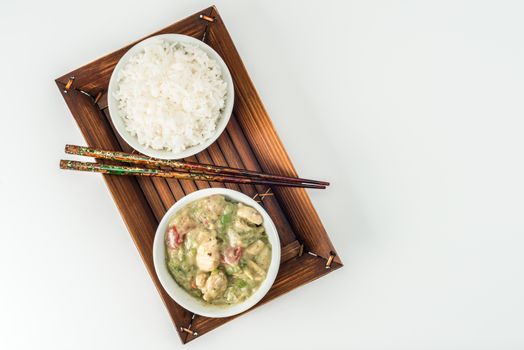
(170, 96)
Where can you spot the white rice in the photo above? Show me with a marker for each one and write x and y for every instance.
(170, 96)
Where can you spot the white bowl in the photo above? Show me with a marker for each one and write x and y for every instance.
(182, 297)
(118, 122)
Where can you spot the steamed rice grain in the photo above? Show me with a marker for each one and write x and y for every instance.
(170, 96)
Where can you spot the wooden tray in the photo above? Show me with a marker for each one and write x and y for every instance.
(250, 141)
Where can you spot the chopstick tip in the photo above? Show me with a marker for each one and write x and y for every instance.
(70, 148)
(63, 164)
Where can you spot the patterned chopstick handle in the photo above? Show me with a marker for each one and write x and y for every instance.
(106, 168)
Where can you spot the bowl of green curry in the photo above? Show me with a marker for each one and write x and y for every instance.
(216, 252)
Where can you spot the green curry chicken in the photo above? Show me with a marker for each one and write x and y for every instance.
(218, 250)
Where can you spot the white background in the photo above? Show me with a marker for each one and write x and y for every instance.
(414, 111)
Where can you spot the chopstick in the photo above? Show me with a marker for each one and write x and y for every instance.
(188, 166)
(127, 170)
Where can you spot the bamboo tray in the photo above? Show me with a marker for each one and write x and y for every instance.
(250, 141)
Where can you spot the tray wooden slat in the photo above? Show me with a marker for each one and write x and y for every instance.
(218, 158)
(204, 158)
(247, 157)
(249, 141)
(155, 189)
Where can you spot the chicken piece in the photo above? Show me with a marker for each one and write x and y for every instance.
(240, 226)
(215, 286)
(255, 268)
(216, 204)
(257, 273)
(184, 224)
(206, 218)
(248, 274)
(208, 255)
(249, 214)
(198, 236)
(189, 256)
(234, 238)
(200, 280)
(204, 235)
(210, 209)
(255, 248)
(263, 259)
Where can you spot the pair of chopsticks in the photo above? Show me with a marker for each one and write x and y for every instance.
(178, 169)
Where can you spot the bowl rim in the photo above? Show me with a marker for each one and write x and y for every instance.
(118, 122)
(183, 298)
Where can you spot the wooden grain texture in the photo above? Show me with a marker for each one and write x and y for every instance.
(204, 158)
(199, 184)
(249, 142)
(247, 158)
(289, 251)
(232, 159)
(156, 190)
(218, 158)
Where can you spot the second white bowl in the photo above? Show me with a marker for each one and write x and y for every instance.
(182, 297)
